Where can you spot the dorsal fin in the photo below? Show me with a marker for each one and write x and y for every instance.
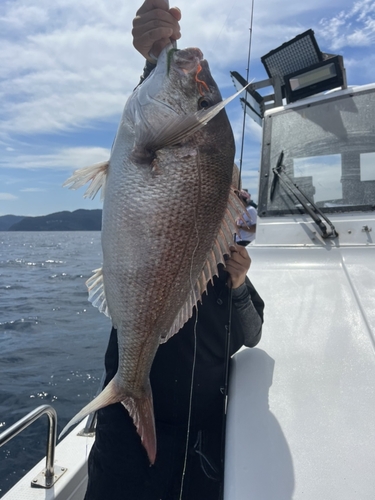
(219, 248)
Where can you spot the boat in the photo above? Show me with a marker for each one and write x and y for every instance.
(300, 421)
(62, 474)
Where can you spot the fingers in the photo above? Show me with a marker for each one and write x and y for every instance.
(237, 265)
(240, 255)
(152, 4)
(154, 26)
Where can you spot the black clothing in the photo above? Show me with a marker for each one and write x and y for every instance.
(118, 464)
(146, 71)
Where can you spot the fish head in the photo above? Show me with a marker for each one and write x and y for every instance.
(176, 100)
(186, 83)
(180, 84)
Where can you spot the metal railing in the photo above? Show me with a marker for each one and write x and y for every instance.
(48, 477)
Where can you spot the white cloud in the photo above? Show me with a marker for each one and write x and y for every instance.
(66, 159)
(354, 27)
(8, 197)
(65, 63)
(32, 190)
(66, 67)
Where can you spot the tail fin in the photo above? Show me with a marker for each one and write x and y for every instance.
(108, 396)
(140, 409)
(142, 413)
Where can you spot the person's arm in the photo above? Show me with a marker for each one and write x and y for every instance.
(249, 313)
(246, 301)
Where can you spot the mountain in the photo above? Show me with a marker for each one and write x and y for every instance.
(79, 220)
(6, 221)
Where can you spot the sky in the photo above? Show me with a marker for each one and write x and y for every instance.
(68, 67)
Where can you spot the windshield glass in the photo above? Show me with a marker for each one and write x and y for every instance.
(329, 152)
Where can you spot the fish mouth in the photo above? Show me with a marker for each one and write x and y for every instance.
(186, 60)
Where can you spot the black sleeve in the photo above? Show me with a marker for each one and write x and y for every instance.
(249, 308)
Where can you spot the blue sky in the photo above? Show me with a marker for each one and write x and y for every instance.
(67, 68)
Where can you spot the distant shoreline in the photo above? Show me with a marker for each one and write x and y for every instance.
(79, 220)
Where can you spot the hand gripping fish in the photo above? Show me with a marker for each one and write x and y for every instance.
(168, 219)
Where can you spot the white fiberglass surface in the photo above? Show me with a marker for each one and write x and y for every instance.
(301, 413)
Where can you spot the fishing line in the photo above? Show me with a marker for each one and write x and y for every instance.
(193, 366)
(190, 407)
(226, 21)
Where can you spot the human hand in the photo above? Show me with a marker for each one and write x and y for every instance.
(154, 26)
(237, 265)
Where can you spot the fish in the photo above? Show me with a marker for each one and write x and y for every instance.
(169, 212)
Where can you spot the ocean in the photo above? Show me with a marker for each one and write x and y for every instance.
(52, 340)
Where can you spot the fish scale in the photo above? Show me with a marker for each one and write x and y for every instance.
(168, 220)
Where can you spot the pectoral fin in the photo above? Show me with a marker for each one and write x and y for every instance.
(97, 296)
(176, 129)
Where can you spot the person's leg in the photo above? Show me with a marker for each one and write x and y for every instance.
(202, 477)
(118, 463)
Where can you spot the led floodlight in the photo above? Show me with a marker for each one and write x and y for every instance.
(326, 75)
(294, 55)
(297, 69)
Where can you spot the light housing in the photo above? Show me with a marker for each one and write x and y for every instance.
(325, 75)
(296, 54)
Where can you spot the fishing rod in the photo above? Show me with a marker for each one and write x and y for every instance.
(247, 79)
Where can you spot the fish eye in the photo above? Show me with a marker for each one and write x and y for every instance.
(203, 103)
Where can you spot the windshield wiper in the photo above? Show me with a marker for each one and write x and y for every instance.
(276, 171)
(312, 210)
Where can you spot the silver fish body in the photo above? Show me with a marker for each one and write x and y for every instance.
(168, 218)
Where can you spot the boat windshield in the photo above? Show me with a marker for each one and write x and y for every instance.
(328, 151)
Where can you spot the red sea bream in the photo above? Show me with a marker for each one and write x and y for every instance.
(168, 219)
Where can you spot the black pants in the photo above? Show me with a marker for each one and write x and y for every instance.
(119, 468)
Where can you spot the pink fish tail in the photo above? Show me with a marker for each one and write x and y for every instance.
(109, 395)
(142, 412)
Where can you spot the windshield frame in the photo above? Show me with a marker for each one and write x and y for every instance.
(265, 208)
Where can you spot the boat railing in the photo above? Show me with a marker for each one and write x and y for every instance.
(51, 473)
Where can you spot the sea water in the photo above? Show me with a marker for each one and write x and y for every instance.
(52, 340)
